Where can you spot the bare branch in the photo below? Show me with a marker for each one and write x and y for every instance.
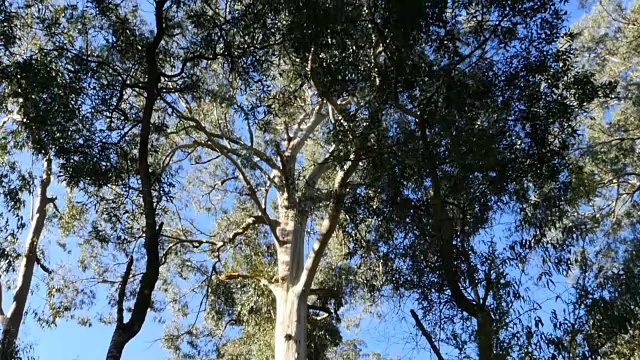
(42, 265)
(169, 157)
(238, 276)
(1, 310)
(215, 137)
(426, 335)
(316, 119)
(253, 194)
(250, 222)
(196, 243)
(122, 291)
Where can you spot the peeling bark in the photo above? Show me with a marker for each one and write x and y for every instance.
(13, 319)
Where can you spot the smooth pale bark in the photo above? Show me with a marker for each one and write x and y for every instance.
(13, 319)
(291, 321)
(291, 305)
(295, 272)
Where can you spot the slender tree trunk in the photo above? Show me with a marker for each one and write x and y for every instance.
(13, 319)
(125, 331)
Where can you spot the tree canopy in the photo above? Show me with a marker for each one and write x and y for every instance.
(258, 177)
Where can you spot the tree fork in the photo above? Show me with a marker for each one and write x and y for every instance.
(125, 331)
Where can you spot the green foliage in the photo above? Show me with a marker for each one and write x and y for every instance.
(602, 317)
(459, 114)
(476, 137)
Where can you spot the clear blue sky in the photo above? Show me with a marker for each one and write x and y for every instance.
(68, 341)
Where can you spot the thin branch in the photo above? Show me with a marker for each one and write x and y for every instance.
(169, 157)
(214, 137)
(122, 291)
(42, 265)
(405, 110)
(488, 282)
(426, 335)
(253, 194)
(196, 243)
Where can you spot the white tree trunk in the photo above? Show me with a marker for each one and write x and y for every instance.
(295, 272)
(13, 319)
(291, 325)
(291, 304)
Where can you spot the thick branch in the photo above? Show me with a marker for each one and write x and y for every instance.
(1, 310)
(427, 335)
(250, 222)
(326, 292)
(327, 312)
(316, 173)
(443, 231)
(323, 309)
(298, 143)
(124, 332)
(328, 226)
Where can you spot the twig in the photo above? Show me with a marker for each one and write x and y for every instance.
(426, 335)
